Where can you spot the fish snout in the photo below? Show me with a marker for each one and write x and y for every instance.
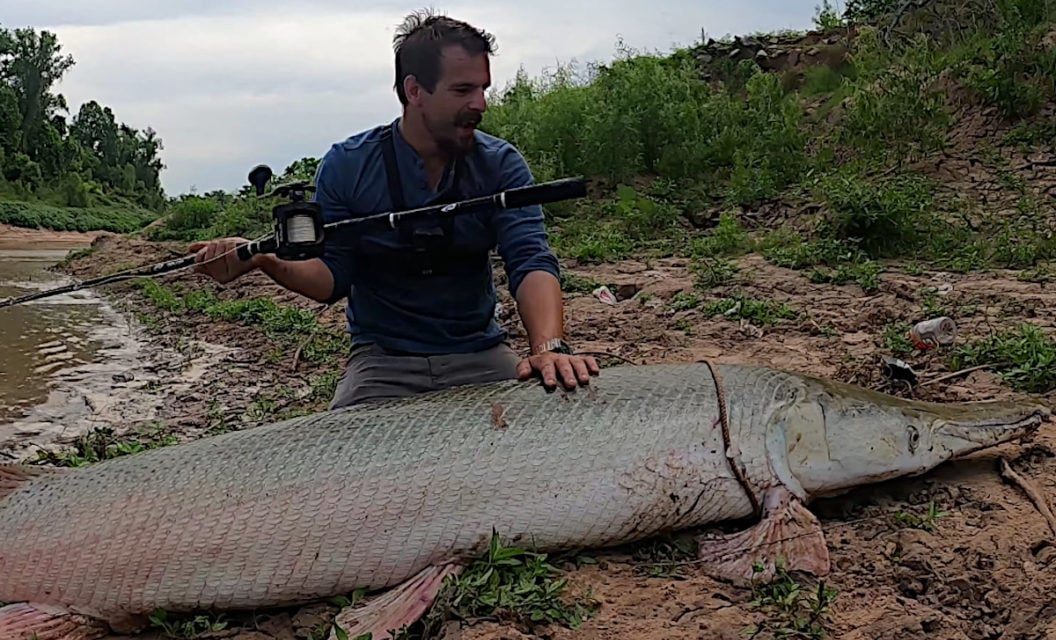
(989, 425)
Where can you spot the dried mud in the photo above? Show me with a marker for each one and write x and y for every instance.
(986, 569)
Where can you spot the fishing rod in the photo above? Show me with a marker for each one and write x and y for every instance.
(299, 233)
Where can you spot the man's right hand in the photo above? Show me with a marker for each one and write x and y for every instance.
(226, 268)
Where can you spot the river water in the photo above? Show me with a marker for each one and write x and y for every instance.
(60, 357)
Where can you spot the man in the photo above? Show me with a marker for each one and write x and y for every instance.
(421, 297)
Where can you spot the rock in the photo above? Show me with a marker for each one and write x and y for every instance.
(1046, 555)
(813, 51)
(310, 618)
(704, 58)
(762, 54)
(627, 291)
(279, 627)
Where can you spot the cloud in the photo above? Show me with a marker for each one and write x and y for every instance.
(229, 85)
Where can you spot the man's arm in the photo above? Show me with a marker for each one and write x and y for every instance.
(534, 281)
(219, 260)
(541, 307)
(311, 278)
(323, 279)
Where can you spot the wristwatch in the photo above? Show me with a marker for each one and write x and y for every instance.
(554, 345)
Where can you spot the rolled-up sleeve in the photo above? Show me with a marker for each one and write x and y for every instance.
(337, 255)
(520, 233)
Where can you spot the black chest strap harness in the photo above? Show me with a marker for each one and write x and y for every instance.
(428, 244)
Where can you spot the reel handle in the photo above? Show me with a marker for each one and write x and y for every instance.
(266, 245)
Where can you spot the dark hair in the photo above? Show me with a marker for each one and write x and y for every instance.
(420, 39)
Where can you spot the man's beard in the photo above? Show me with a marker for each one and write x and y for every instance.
(446, 134)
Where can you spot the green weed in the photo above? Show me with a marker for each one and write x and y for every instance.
(35, 215)
(761, 312)
(1024, 357)
(187, 627)
(896, 339)
(664, 556)
(881, 216)
(684, 301)
(290, 326)
(102, 443)
(514, 584)
(727, 238)
(927, 521)
(710, 273)
(793, 610)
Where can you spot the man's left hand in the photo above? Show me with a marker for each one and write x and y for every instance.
(571, 369)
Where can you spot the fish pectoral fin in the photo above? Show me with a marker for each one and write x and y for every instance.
(26, 621)
(787, 535)
(384, 616)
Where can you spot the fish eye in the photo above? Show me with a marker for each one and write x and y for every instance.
(914, 438)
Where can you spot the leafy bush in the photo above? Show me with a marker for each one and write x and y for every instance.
(882, 216)
(40, 216)
(646, 114)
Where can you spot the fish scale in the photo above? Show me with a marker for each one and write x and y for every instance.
(368, 496)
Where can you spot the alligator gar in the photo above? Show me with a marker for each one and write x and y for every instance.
(395, 496)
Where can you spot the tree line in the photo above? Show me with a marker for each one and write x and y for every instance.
(77, 162)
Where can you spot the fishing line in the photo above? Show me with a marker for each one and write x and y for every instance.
(162, 268)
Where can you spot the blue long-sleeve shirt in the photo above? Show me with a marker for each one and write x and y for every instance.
(440, 313)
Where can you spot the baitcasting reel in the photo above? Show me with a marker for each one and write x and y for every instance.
(298, 232)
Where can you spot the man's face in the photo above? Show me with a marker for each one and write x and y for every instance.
(455, 108)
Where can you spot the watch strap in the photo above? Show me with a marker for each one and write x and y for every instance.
(554, 345)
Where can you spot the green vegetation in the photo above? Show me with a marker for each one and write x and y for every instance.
(515, 585)
(290, 327)
(1024, 356)
(678, 159)
(928, 521)
(34, 214)
(676, 149)
(102, 443)
(91, 172)
(792, 610)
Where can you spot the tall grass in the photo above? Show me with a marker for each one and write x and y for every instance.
(652, 115)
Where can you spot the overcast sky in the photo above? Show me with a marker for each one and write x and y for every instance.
(230, 84)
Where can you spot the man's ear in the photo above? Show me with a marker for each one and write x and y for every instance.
(413, 90)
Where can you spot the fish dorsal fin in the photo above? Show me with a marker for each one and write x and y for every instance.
(12, 476)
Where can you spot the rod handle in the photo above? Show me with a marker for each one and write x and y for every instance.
(247, 251)
(564, 189)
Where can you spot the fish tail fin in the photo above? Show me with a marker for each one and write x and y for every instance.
(14, 476)
(28, 621)
(391, 612)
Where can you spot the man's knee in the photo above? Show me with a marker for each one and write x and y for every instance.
(491, 365)
(372, 374)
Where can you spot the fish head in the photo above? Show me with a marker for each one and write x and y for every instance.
(843, 436)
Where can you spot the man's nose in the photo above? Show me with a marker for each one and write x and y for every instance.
(478, 102)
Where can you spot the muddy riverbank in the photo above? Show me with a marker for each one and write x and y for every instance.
(958, 553)
(72, 362)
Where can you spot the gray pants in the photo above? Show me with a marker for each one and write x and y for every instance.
(372, 373)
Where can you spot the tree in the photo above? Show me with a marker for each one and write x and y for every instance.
(30, 63)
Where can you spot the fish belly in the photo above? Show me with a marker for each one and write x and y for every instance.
(368, 496)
